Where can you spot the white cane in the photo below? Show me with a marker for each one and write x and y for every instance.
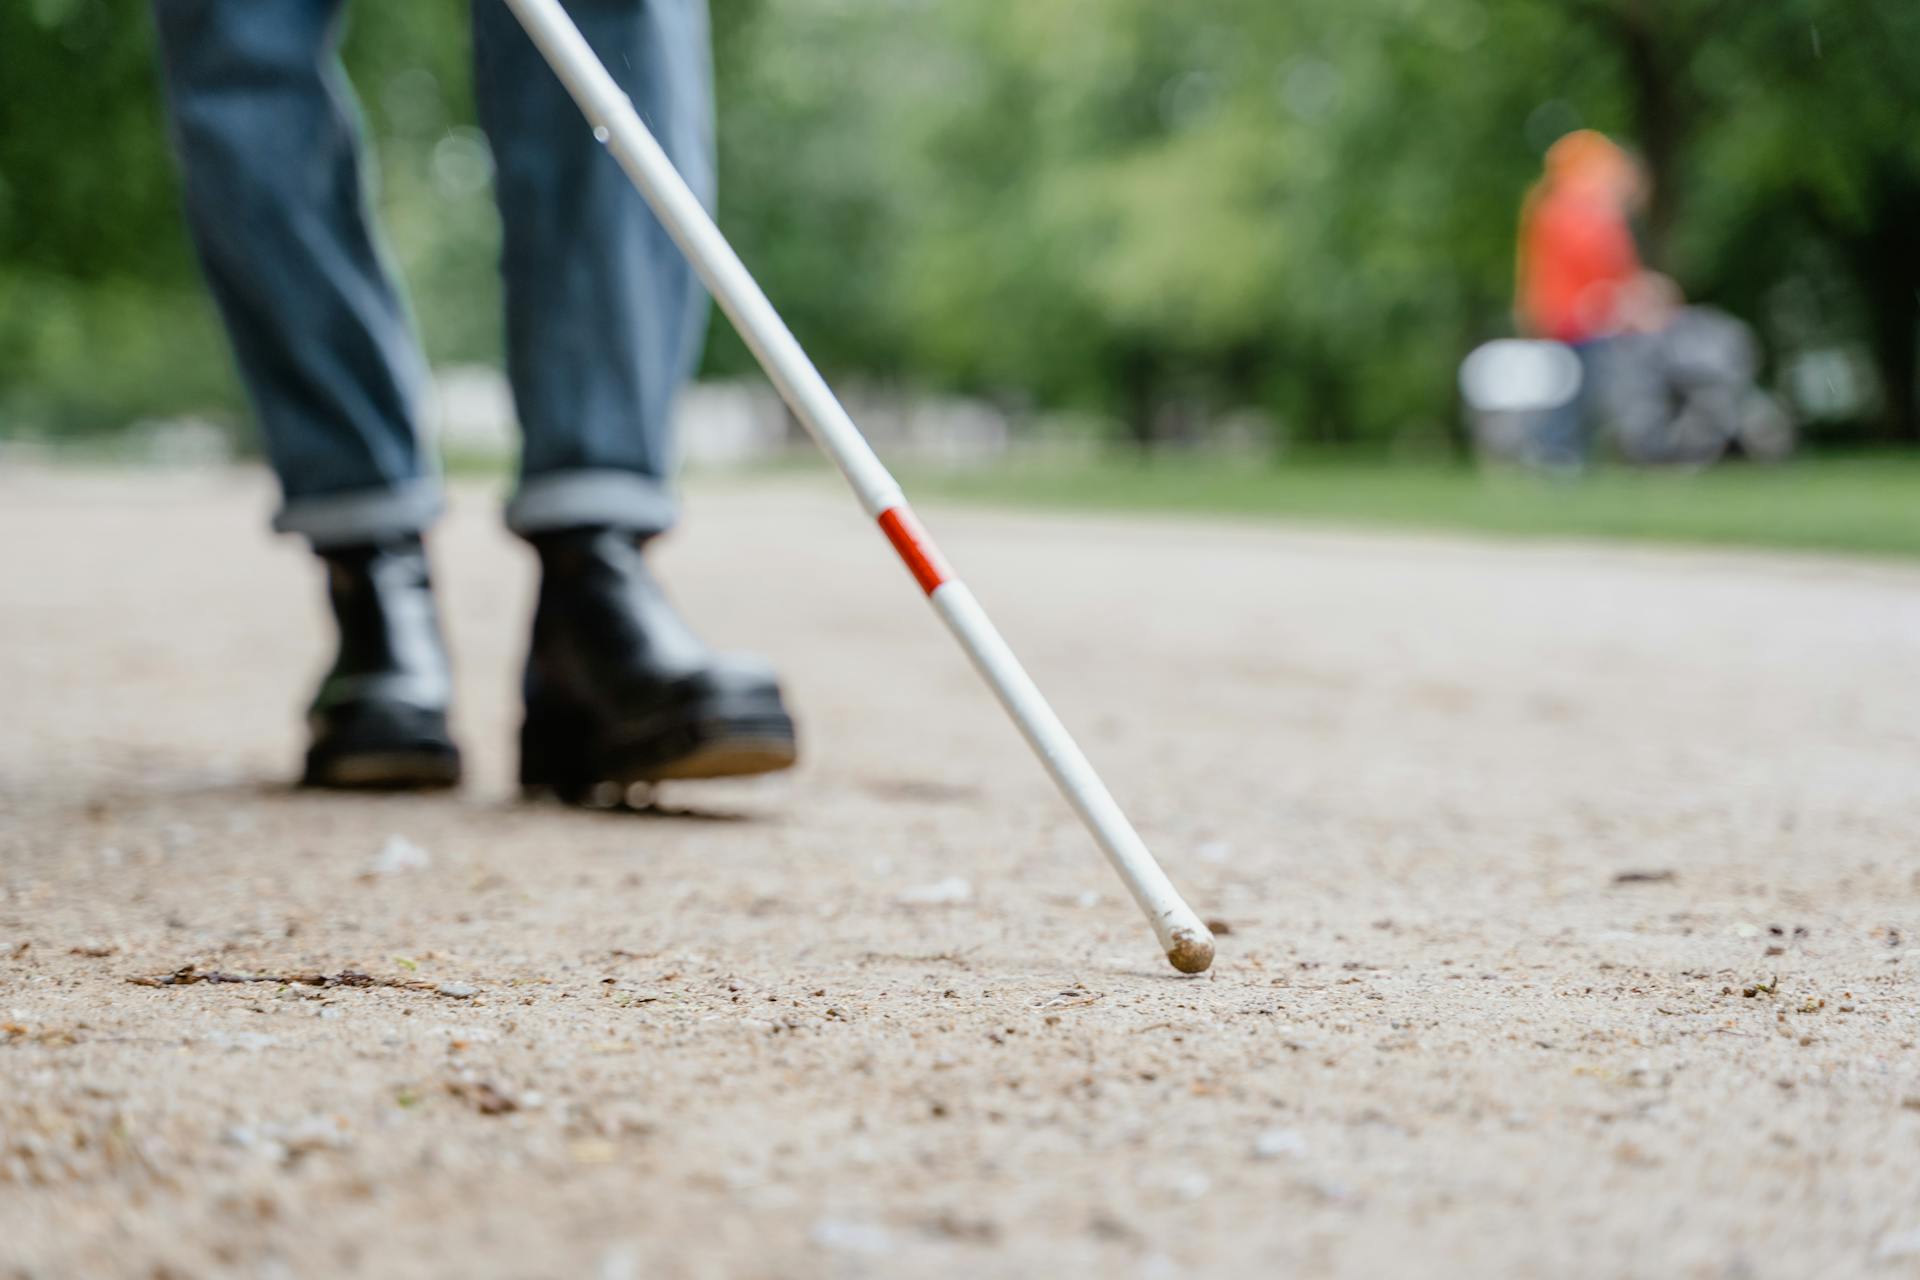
(1186, 940)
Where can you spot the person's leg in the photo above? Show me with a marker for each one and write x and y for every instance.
(604, 321)
(268, 140)
(269, 151)
(1564, 439)
(604, 317)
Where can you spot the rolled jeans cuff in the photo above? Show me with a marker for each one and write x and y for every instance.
(572, 499)
(361, 516)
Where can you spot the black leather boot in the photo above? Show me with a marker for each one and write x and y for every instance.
(619, 690)
(380, 718)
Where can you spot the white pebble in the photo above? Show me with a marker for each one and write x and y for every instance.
(400, 854)
(1899, 1244)
(1272, 1144)
(1189, 1184)
(621, 1262)
(241, 1041)
(845, 1235)
(952, 890)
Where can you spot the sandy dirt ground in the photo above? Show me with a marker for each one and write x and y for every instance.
(1573, 899)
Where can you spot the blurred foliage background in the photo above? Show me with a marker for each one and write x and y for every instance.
(1155, 216)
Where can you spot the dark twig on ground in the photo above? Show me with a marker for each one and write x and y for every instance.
(188, 975)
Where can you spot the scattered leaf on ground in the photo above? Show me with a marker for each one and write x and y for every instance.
(483, 1096)
(1073, 999)
(190, 975)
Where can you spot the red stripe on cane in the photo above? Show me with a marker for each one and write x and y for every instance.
(915, 547)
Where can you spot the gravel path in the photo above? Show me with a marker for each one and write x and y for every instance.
(1573, 894)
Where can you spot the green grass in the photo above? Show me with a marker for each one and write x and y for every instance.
(1868, 505)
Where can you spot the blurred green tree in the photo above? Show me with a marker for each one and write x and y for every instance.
(1156, 213)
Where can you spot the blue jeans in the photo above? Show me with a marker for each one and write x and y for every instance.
(604, 318)
(1563, 438)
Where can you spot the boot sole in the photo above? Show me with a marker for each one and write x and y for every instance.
(388, 770)
(381, 745)
(385, 771)
(569, 752)
(730, 754)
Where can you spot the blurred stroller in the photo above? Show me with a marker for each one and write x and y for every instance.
(1684, 395)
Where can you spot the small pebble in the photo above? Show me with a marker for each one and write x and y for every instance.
(846, 1235)
(621, 1261)
(1189, 1184)
(1899, 1244)
(948, 892)
(240, 1041)
(398, 855)
(1272, 1144)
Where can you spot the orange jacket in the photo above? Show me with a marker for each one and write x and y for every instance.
(1576, 257)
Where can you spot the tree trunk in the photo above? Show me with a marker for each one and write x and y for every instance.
(1140, 380)
(1660, 122)
(1884, 258)
(1890, 277)
(1329, 421)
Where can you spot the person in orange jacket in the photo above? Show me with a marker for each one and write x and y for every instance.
(1579, 277)
(1579, 267)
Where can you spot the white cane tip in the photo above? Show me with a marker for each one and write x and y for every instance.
(1190, 951)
